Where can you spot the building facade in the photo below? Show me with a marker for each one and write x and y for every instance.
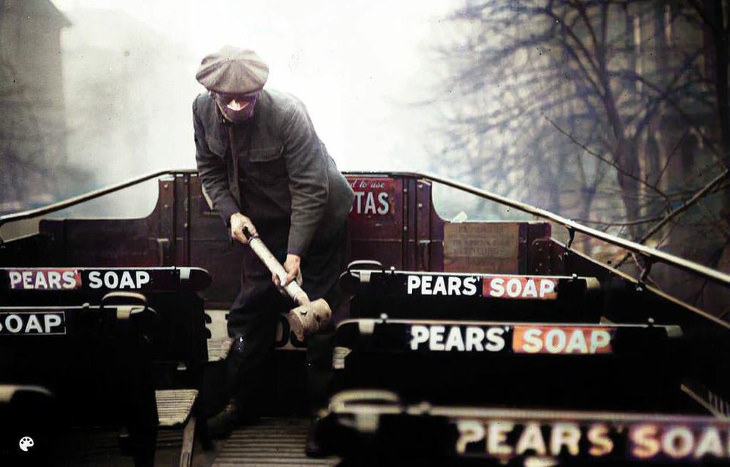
(33, 124)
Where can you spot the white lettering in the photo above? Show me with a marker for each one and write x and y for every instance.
(16, 324)
(384, 206)
(555, 341)
(40, 281)
(470, 286)
(436, 342)
(577, 343)
(119, 280)
(358, 202)
(419, 335)
(15, 278)
(454, 340)
(547, 287)
(530, 289)
(414, 282)
(519, 287)
(51, 321)
(499, 438)
(565, 435)
(514, 288)
(498, 431)
(645, 444)
(497, 287)
(454, 286)
(470, 431)
(531, 440)
(710, 443)
(677, 442)
(69, 279)
(474, 337)
(533, 343)
(562, 340)
(370, 204)
(95, 280)
(54, 279)
(426, 285)
(111, 280)
(143, 277)
(601, 443)
(126, 281)
(599, 339)
(439, 287)
(458, 338)
(495, 338)
(27, 280)
(33, 324)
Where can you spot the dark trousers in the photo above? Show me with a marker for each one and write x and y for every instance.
(254, 314)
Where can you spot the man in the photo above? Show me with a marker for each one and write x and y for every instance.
(265, 170)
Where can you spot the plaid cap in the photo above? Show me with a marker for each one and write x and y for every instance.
(233, 71)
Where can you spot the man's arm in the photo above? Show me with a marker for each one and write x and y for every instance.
(214, 175)
(212, 171)
(308, 184)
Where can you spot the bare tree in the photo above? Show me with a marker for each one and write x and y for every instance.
(21, 147)
(588, 71)
(601, 110)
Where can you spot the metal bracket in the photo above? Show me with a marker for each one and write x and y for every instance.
(571, 237)
(644, 273)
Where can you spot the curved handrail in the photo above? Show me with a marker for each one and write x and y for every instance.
(17, 216)
(651, 254)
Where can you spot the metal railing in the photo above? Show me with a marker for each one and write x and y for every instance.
(650, 255)
(31, 213)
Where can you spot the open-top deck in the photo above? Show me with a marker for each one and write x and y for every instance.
(431, 300)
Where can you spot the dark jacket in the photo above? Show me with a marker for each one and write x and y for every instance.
(278, 170)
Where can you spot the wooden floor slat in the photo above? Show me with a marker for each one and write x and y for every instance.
(272, 442)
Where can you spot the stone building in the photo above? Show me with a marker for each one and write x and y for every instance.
(33, 123)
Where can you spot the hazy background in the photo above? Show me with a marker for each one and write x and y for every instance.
(129, 71)
(612, 113)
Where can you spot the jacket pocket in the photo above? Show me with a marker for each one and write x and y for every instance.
(265, 154)
(267, 165)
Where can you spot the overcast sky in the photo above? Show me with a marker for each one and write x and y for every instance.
(356, 64)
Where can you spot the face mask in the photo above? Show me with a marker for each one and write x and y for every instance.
(236, 108)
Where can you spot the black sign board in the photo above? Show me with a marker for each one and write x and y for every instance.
(102, 279)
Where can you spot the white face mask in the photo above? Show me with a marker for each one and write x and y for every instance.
(236, 109)
(237, 106)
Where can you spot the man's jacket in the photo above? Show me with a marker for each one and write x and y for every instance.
(272, 168)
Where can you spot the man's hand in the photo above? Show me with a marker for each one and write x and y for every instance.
(293, 271)
(238, 222)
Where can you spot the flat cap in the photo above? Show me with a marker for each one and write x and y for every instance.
(233, 71)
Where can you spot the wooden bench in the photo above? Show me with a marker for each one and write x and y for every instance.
(118, 348)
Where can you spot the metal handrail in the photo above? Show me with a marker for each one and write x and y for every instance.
(651, 254)
(17, 216)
